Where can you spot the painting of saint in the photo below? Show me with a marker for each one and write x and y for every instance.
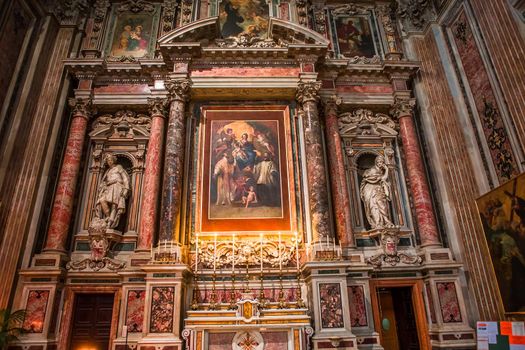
(354, 36)
(245, 171)
(502, 213)
(243, 16)
(133, 35)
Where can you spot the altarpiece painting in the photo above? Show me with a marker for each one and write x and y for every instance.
(502, 213)
(354, 36)
(244, 179)
(244, 16)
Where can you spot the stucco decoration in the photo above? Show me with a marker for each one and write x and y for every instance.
(248, 341)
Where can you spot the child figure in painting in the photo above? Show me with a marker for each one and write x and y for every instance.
(249, 197)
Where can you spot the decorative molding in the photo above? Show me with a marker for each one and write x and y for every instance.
(319, 19)
(308, 91)
(122, 123)
(245, 40)
(247, 253)
(364, 60)
(389, 239)
(168, 15)
(302, 12)
(99, 15)
(135, 6)
(178, 89)
(386, 14)
(415, 13)
(348, 10)
(70, 12)
(366, 122)
(186, 11)
(121, 59)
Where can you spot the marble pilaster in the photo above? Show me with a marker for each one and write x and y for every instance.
(61, 212)
(307, 96)
(402, 110)
(152, 175)
(341, 202)
(178, 92)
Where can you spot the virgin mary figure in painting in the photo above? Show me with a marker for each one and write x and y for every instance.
(375, 194)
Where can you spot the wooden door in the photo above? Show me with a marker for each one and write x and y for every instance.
(388, 319)
(92, 315)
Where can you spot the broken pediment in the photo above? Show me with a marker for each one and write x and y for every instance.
(203, 38)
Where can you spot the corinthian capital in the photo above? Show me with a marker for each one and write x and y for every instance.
(402, 107)
(331, 104)
(82, 107)
(157, 106)
(178, 89)
(308, 91)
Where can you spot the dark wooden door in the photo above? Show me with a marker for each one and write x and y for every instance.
(388, 320)
(92, 321)
(406, 318)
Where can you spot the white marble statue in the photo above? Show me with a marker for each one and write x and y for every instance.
(113, 191)
(375, 194)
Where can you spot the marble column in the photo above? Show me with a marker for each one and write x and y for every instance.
(340, 199)
(402, 110)
(152, 175)
(307, 96)
(61, 212)
(178, 92)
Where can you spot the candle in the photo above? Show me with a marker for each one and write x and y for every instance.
(171, 247)
(334, 245)
(261, 236)
(327, 242)
(233, 254)
(215, 254)
(151, 250)
(165, 244)
(197, 253)
(297, 250)
(280, 257)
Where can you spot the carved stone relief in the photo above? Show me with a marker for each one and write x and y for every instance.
(389, 239)
(415, 14)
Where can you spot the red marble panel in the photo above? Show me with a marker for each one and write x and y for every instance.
(135, 310)
(162, 305)
(36, 311)
(284, 11)
(246, 72)
(331, 305)
(448, 300)
(489, 112)
(220, 341)
(356, 298)
(275, 340)
(125, 88)
(369, 89)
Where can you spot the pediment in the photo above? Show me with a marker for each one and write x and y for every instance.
(203, 38)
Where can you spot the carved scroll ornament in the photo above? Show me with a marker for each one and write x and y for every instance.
(365, 122)
(389, 240)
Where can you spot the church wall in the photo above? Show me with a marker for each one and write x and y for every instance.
(457, 173)
(22, 184)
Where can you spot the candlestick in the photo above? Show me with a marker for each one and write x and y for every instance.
(327, 242)
(261, 236)
(233, 254)
(215, 254)
(297, 250)
(196, 252)
(280, 257)
(151, 251)
(165, 245)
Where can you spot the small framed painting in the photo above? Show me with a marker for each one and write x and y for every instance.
(132, 31)
(354, 36)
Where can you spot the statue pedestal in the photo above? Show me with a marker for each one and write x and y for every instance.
(328, 287)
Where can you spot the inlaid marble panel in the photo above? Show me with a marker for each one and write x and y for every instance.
(448, 300)
(331, 305)
(356, 297)
(135, 310)
(36, 311)
(162, 304)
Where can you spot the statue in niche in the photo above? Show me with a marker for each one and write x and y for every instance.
(375, 194)
(112, 193)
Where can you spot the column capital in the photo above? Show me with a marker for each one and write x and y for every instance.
(157, 107)
(82, 107)
(178, 89)
(308, 91)
(331, 104)
(403, 107)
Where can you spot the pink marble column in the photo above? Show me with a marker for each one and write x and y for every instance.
(61, 213)
(340, 200)
(307, 96)
(178, 90)
(152, 175)
(428, 232)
